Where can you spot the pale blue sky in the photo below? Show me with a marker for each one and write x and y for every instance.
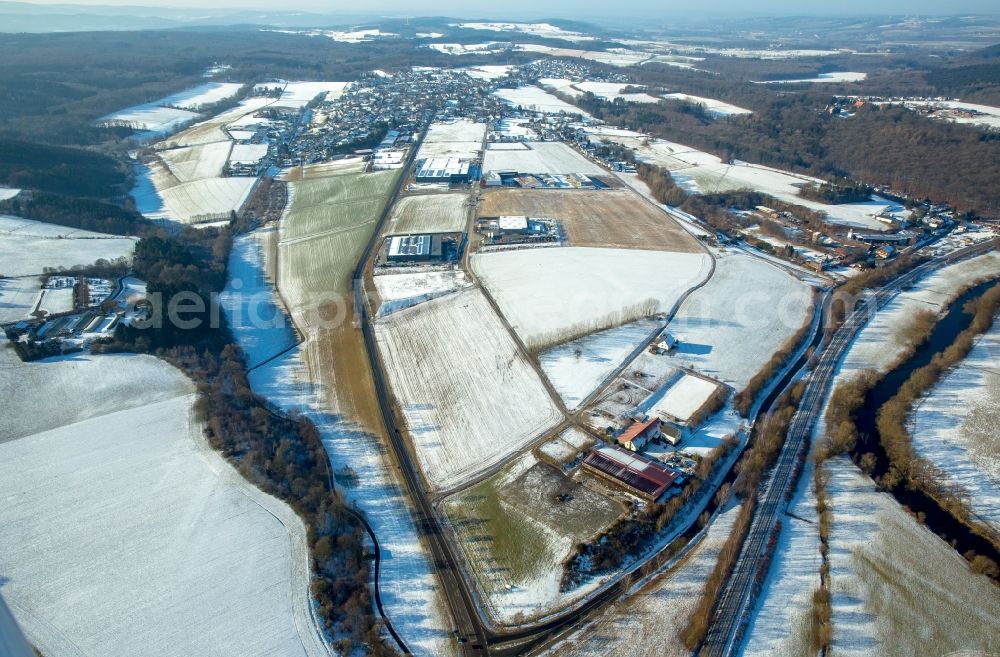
(580, 8)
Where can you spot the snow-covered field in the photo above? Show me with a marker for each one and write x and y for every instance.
(468, 397)
(700, 172)
(611, 57)
(125, 534)
(548, 157)
(535, 99)
(151, 117)
(466, 48)
(545, 30)
(782, 623)
(545, 293)
(604, 90)
(684, 397)
(208, 199)
(459, 138)
(879, 345)
(409, 590)
(27, 247)
(300, 94)
(192, 163)
(712, 106)
(489, 71)
(399, 291)
(577, 368)
(951, 110)
(7, 193)
(897, 589)
(206, 94)
(515, 533)
(955, 427)
(252, 306)
(18, 297)
(429, 213)
(733, 325)
(838, 76)
(248, 153)
(649, 622)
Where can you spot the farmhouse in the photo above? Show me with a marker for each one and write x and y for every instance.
(444, 170)
(639, 434)
(636, 474)
(671, 432)
(414, 248)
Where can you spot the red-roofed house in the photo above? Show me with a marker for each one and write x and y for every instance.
(636, 436)
(639, 475)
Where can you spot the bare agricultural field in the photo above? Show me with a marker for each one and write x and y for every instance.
(516, 528)
(429, 213)
(468, 397)
(616, 218)
(323, 233)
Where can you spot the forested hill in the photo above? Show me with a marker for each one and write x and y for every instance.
(61, 170)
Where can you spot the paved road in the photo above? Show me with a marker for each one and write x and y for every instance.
(737, 600)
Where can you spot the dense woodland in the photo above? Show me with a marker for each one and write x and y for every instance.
(790, 129)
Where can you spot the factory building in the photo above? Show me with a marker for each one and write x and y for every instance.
(414, 248)
(444, 170)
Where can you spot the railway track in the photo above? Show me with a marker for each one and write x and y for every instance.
(735, 605)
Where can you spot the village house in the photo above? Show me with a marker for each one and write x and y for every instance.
(639, 434)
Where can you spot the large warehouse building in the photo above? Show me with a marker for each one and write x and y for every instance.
(414, 248)
(444, 170)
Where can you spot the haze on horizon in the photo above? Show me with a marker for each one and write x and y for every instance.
(570, 9)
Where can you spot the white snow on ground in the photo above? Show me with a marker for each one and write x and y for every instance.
(954, 426)
(248, 153)
(399, 291)
(780, 627)
(604, 90)
(489, 72)
(712, 106)
(361, 464)
(151, 117)
(733, 325)
(357, 36)
(124, 534)
(952, 110)
(194, 162)
(57, 300)
(252, 306)
(209, 199)
(300, 94)
(547, 157)
(18, 297)
(567, 445)
(649, 622)
(878, 345)
(429, 213)
(27, 247)
(838, 76)
(468, 397)
(700, 172)
(535, 99)
(69, 389)
(7, 193)
(545, 293)
(466, 48)
(546, 30)
(684, 397)
(611, 57)
(206, 94)
(897, 589)
(577, 368)
(460, 138)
